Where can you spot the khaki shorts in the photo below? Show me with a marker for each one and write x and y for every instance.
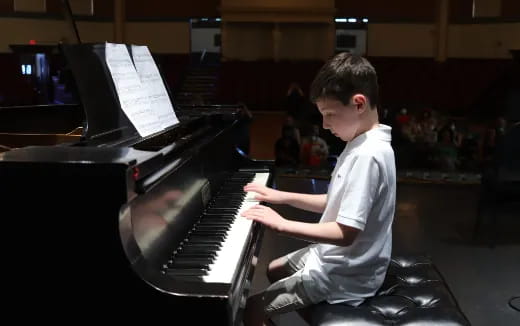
(288, 294)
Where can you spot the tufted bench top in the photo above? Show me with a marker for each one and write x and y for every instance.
(413, 293)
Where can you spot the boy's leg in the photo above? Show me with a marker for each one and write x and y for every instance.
(287, 265)
(278, 269)
(283, 296)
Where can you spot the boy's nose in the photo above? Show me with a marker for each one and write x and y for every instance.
(325, 125)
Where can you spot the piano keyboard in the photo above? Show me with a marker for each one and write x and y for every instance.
(213, 248)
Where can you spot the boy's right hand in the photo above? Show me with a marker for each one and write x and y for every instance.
(265, 194)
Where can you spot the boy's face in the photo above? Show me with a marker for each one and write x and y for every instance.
(342, 120)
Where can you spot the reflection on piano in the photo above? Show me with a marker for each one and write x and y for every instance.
(150, 224)
(40, 125)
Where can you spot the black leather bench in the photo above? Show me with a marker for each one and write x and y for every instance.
(413, 293)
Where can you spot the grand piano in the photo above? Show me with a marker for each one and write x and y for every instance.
(109, 219)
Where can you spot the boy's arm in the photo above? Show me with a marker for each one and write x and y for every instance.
(308, 202)
(329, 232)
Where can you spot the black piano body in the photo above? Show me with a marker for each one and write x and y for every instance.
(90, 226)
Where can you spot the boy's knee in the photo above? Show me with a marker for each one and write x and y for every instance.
(277, 270)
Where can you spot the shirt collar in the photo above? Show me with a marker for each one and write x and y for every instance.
(381, 132)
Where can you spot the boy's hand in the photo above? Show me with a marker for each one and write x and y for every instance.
(265, 194)
(266, 216)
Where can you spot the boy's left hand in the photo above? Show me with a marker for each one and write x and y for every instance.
(266, 216)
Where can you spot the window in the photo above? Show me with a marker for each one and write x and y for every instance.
(26, 69)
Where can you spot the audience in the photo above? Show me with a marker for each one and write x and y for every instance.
(314, 150)
(287, 149)
(424, 139)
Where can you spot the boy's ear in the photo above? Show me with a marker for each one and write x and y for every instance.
(360, 101)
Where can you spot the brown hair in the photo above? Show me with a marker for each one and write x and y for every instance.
(344, 76)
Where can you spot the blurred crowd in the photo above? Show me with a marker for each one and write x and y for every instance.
(427, 139)
(422, 139)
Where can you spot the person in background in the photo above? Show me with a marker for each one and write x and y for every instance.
(314, 150)
(244, 129)
(287, 149)
(291, 124)
(295, 101)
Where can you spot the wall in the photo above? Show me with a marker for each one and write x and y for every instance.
(248, 42)
(204, 39)
(382, 10)
(483, 40)
(140, 9)
(487, 8)
(29, 5)
(401, 40)
(361, 40)
(304, 41)
(510, 9)
(21, 30)
(279, 3)
(161, 37)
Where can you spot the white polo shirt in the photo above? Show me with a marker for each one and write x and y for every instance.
(361, 195)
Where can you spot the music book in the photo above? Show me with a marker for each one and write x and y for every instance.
(139, 86)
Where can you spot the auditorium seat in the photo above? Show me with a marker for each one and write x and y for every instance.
(413, 293)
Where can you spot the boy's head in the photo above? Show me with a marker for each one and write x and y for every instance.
(346, 93)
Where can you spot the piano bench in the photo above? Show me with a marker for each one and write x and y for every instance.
(413, 293)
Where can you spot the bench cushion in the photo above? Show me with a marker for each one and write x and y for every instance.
(413, 293)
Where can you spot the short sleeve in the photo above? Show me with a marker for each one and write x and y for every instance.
(362, 185)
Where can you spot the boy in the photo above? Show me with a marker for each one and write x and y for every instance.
(353, 239)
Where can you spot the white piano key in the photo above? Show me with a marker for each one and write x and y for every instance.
(228, 257)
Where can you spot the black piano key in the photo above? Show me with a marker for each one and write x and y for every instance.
(225, 203)
(222, 226)
(215, 237)
(231, 190)
(189, 258)
(204, 239)
(221, 234)
(219, 216)
(194, 255)
(214, 210)
(207, 231)
(198, 250)
(202, 246)
(235, 195)
(233, 201)
(215, 222)
(212, 227)
(190, 263)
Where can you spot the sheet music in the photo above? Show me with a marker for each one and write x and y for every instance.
(134, 98)
(152, 81)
